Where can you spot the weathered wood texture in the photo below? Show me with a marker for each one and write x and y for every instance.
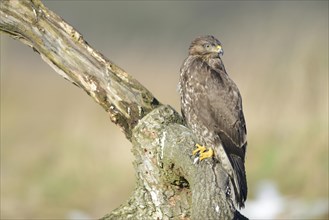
(64, 49)
(169, 185)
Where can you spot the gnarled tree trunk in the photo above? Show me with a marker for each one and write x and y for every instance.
(169, 185)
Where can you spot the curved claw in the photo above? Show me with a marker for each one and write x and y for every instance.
(202, 152)
(208, 154)
(200, 149)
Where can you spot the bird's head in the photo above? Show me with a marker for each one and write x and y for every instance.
(206, 46)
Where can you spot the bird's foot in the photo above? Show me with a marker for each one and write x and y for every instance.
(202, 152)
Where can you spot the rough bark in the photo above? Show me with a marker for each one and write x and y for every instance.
(65, 50)
(169, 185)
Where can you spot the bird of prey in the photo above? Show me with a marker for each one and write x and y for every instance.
(212, 108)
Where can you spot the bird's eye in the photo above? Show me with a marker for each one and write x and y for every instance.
(207, 46)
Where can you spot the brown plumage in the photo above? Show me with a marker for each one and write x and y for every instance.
(212, 107)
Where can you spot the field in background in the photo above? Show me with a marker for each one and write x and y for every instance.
(60, 154)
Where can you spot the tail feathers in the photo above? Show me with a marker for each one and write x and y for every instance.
(239, 180)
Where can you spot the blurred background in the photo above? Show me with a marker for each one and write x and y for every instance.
(62, 158)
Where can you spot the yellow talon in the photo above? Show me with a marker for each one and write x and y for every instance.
(207, 154)
(200, 149)
(203, 152)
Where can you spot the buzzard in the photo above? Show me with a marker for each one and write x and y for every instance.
(212, 108)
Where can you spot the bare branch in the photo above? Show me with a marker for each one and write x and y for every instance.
(65, 50)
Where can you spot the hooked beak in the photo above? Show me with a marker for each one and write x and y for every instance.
(220, 50)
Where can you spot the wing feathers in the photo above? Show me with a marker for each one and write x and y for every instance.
(229, 124)
(238, 166)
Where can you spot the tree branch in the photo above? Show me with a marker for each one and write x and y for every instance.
(65, 50)
(169, 185)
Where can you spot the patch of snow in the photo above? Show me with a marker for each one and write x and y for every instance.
(269, 203)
